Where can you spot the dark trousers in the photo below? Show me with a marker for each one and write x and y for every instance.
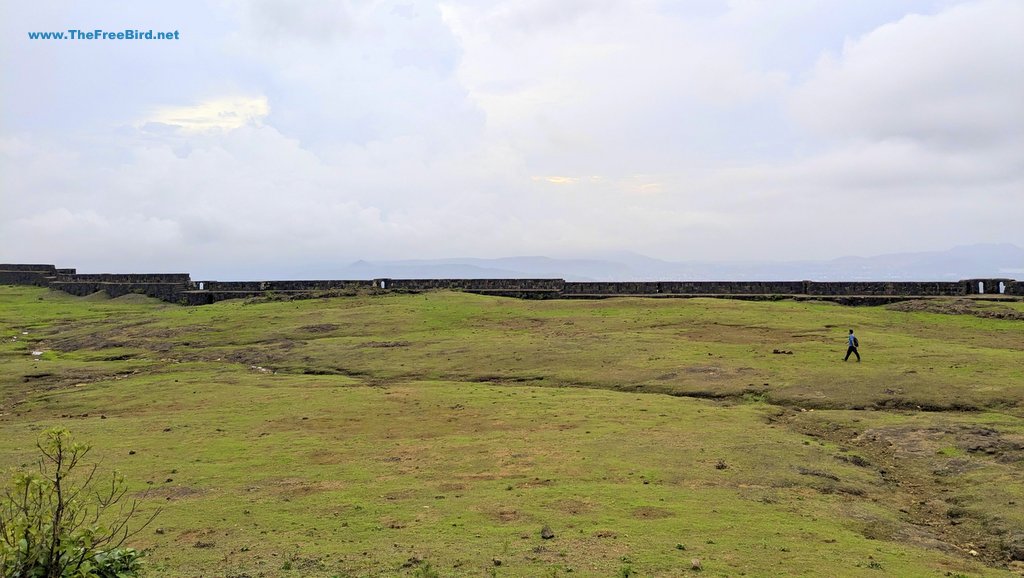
(852, 350)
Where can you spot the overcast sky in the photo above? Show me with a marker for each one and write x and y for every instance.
(279, 134)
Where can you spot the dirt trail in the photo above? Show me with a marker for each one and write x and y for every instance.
(918, 479)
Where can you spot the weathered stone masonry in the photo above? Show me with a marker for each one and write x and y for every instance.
(180, 288)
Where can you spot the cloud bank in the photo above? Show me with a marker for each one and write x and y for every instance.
(285, 138)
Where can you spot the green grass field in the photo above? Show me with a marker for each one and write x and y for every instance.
(374, 435)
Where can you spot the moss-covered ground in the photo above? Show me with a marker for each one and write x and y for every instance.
(374, 435)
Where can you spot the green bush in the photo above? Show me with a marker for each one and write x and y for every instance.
(62, 522)
(118, 563)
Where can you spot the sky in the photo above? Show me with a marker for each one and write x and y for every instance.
(293, 134)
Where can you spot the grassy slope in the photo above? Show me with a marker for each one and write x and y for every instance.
(355, 436)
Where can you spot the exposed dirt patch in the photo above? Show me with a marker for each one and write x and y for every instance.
(135, 334)
(319, 328)
(289, 488)
(817, 473)
(328, 371)
(259, 357)
(171, 493)
(906, 441)
(917, 469)
(652, 513)
(89, 341)
(386, 344)
(922, 442)
(192, 537)
(920, 536)
(979, 440)
(532, 322)
(572, 506)
(122, 357)
(986, 309)
(899, 403)
(501, 379)
(478, 477)
(284, 344)
(854, 459)
(705, 370)
(46, 381)
(306, 564)
(326, 457)
(506, 515)
(955, 467)
(1012, 546)
(397, 495)
(536, 483)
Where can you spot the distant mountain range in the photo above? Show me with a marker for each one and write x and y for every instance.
(985, 260)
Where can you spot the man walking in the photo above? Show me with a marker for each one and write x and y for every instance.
(852, 348)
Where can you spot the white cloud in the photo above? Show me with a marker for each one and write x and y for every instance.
(605, 85)
(404, 130)
(224, 113)
(954, 79)
(310, 21)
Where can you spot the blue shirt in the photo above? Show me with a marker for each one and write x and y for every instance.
(851, 340)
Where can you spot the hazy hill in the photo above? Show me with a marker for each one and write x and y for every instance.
(983, 260)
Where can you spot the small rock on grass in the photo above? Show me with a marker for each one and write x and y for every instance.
(695, 564)
(546, 533)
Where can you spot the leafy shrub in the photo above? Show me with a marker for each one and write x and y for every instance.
(62, 522)
(118, 563)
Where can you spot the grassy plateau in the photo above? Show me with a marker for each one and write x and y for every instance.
(438, 434)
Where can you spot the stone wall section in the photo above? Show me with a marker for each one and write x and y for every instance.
(8, 267)
(179, 287)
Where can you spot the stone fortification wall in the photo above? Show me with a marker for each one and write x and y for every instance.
(165, 286)
(26, 274)
(165, 291)
(206, 292)
(325, 285)
(924, 289)
(28, 267)
(178, 287)
(610, 288)
(125, 278)
(482, 285)
(732, 287)
(992, 286)
(25, 278)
